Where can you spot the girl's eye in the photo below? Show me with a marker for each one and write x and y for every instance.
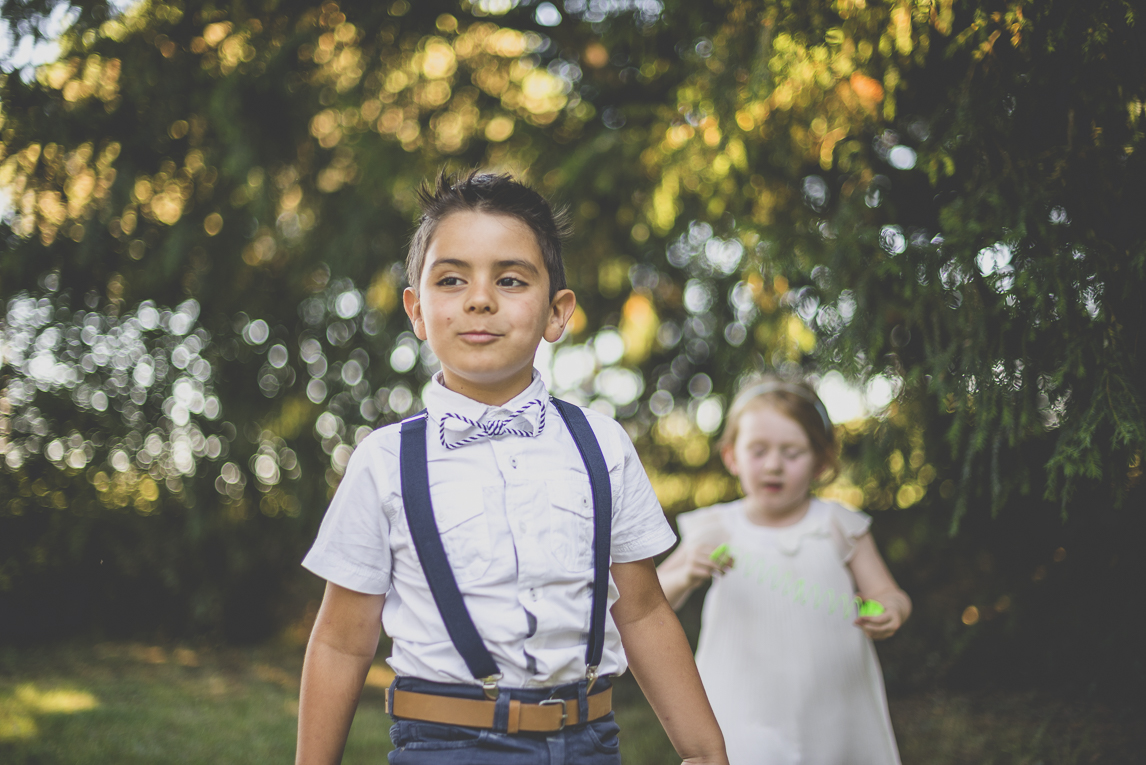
(793, 453)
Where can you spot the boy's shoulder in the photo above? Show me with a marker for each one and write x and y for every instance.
(611, 435)
(601, 422)
(383, 441)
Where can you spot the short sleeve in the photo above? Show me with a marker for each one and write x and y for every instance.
(704, 526)
(848, 526)
(352, 549)
(640, 529)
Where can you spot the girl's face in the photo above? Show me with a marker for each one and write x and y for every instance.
(775, 462)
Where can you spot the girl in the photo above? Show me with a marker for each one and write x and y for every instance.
(789, 667)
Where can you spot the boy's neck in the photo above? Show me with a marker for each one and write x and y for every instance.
(494, 394)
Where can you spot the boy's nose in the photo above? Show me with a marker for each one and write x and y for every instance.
(480, 300)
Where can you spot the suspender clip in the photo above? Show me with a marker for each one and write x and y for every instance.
(489, 685)
(591, 676)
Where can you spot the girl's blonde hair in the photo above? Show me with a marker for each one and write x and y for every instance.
(795, 399)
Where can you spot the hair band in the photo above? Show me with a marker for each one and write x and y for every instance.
(773, 387)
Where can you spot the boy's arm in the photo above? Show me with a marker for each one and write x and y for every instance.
(338, 656)
(662, 663)
(875, 582)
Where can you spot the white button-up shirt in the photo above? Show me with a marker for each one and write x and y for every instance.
(515, 515)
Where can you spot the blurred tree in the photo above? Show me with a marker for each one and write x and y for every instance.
(208, 208)
(950, 189)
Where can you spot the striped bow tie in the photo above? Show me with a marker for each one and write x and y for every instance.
(492, 428)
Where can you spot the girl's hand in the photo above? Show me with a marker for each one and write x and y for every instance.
(700, 567)
(687, 568)
(882, 626)
(875, 582)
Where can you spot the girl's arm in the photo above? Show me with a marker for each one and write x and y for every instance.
(688, 567)
(661, 661)
(875, 582)
(338, 656)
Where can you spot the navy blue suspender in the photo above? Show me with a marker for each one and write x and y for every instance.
(602, 526)
(431, 553)
(439, 575)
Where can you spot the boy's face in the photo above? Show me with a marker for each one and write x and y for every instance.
(483, 304)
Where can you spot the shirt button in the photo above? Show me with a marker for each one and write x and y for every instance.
(513, 462)
(534, 595)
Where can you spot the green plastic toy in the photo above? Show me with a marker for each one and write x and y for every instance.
(720, 555)
(869, 607)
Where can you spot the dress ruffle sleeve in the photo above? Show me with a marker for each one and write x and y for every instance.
(706, 525)
(849, 525)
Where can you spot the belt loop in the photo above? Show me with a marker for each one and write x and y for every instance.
(583, 702)
(501, 713)
(390, 696)
(514, 717)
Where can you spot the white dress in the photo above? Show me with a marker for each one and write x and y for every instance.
(790, 678)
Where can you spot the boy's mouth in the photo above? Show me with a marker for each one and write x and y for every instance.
(480, 336)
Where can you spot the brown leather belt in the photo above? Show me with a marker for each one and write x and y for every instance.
(544, 717)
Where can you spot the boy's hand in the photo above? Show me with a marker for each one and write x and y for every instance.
(661, 661)
(881, 626)
(338, 656)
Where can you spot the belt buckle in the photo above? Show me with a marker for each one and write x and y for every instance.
(564, 710)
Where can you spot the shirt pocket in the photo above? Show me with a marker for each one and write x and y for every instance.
(459, 511)
(571, 524)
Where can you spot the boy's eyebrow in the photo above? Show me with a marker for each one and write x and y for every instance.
(524, 265)
(453, 262)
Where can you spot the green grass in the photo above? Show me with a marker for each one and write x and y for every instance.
(130, 703)
(125, 703)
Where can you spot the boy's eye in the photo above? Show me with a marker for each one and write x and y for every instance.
(449, 281)
(510, 281)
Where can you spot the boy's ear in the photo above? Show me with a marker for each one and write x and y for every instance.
(560, 310)
(413, 308)
(728, 456)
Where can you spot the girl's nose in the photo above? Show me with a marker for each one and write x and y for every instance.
(772, 462)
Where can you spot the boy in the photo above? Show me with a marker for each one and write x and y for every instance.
(480, 531)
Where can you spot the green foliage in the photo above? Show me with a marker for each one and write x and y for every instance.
(209, 208)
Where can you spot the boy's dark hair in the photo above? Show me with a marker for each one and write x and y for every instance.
(496, 195)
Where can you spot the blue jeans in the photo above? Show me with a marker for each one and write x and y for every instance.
(424, 743)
